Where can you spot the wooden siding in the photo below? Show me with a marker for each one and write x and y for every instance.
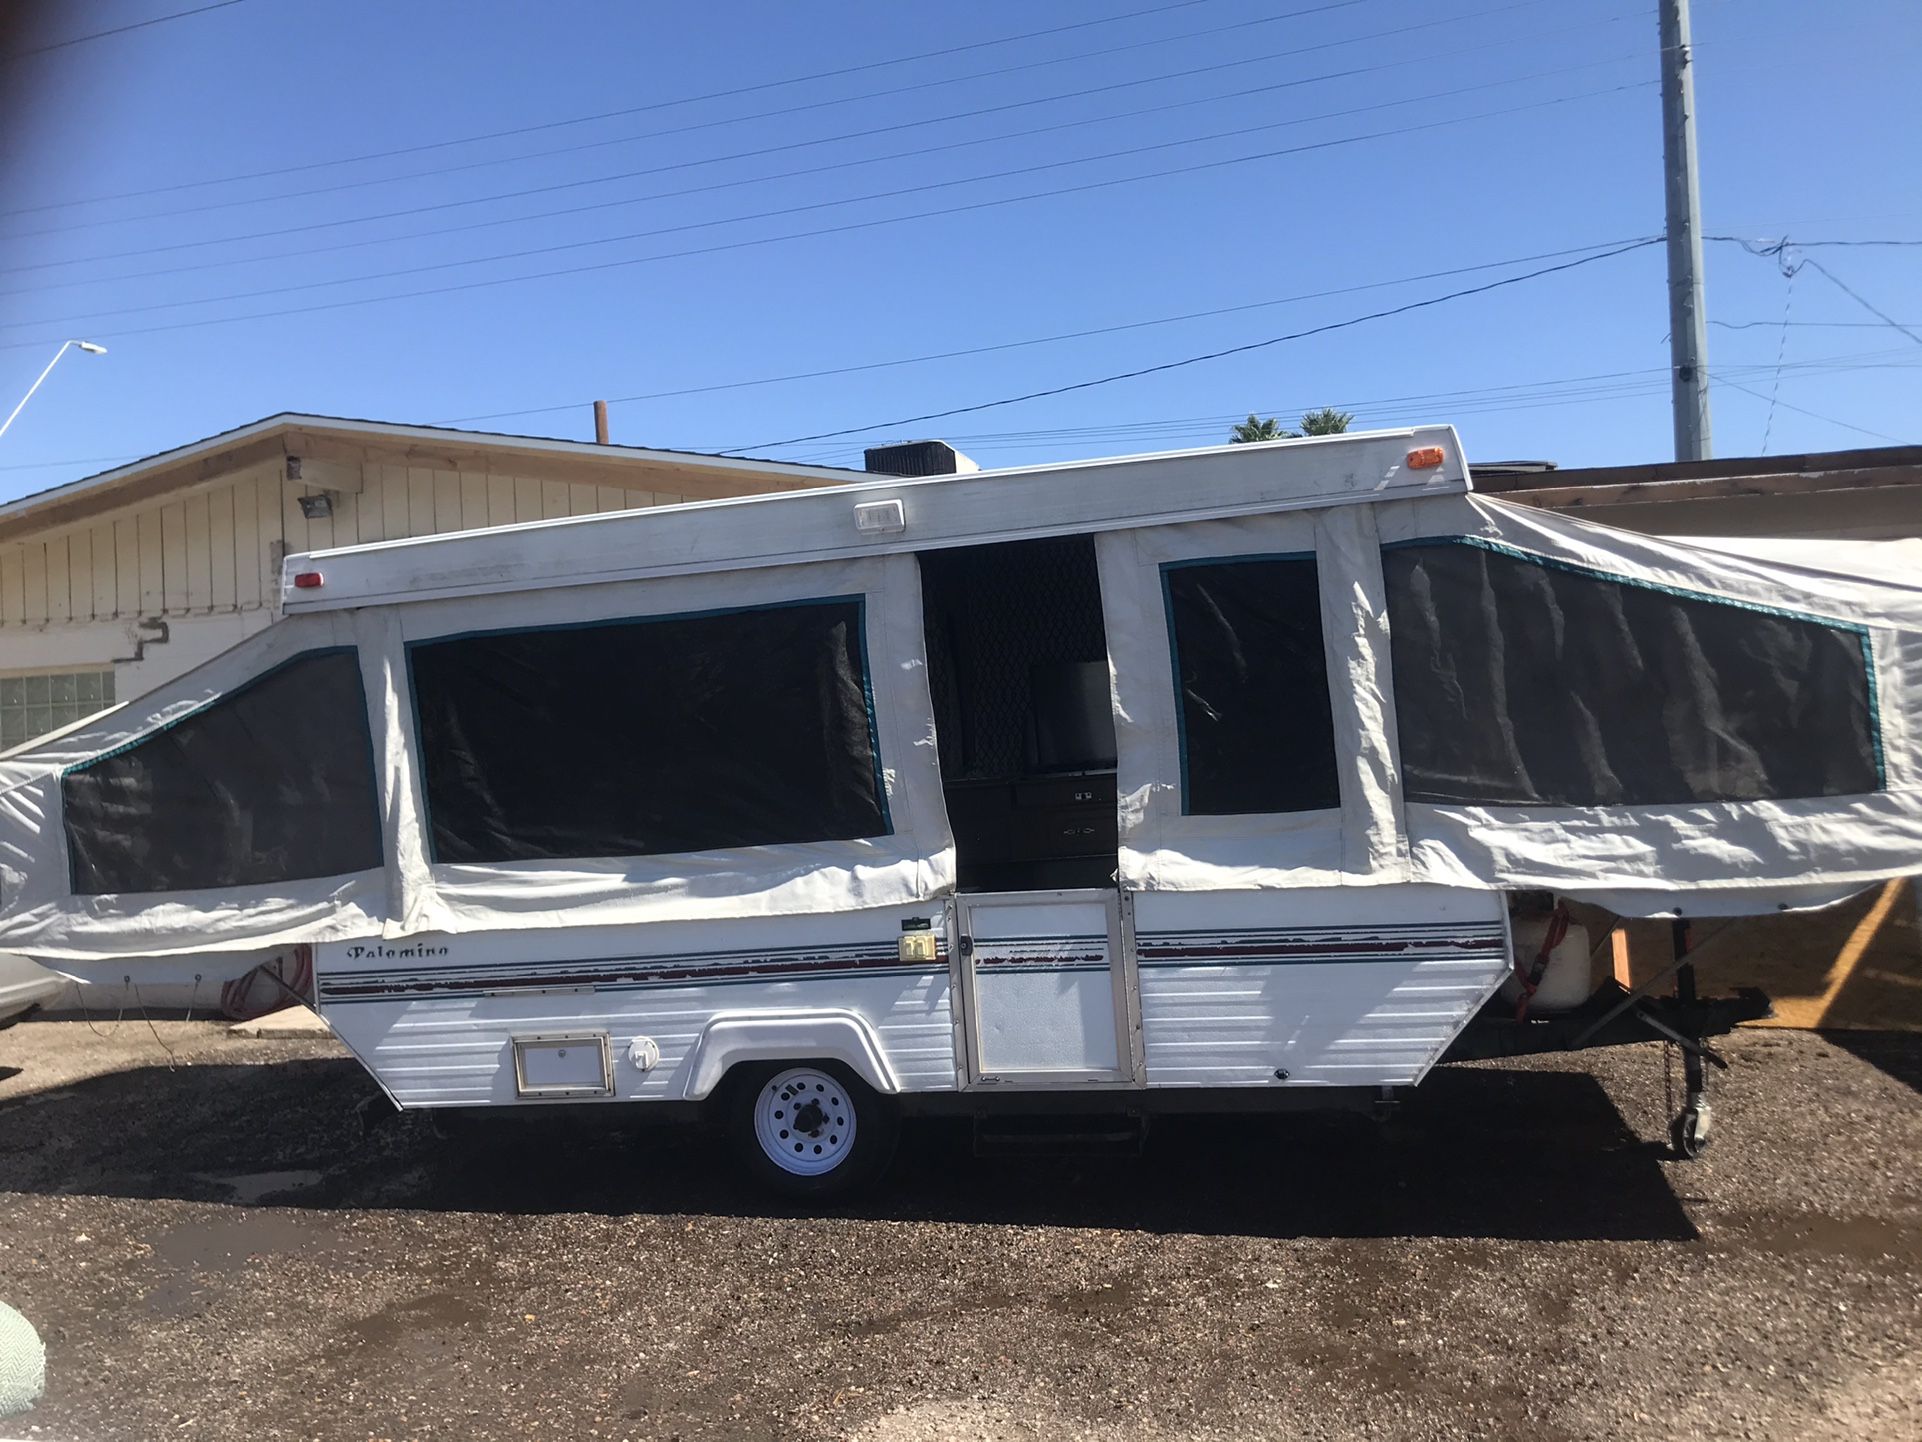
(217, 548)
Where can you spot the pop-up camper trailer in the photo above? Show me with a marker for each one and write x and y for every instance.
(1198, 779)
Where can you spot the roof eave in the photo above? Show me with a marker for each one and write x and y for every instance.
(208, 459)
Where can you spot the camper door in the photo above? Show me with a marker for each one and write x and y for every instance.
(1046, 980)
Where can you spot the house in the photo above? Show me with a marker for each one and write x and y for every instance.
(113, 584)
(1869, 494)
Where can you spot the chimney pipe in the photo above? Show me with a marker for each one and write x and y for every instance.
(600, 422)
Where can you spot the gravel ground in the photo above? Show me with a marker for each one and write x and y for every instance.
(213, 1249)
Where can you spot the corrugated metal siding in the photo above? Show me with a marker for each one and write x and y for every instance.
(460, 1053)
(215, 549)
(1361, 986)
(435, 1018)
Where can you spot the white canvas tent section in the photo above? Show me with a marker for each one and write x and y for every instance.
(1340, 499)
(1162, 848)
(914, 863)
(1731, 857)
(410, 895)
(43, 915)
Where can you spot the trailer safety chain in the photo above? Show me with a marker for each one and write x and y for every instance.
(86, 1012)
(1668, 1077)
(150, 1026)
(1531, 979)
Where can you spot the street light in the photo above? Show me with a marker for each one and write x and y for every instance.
(86, 345)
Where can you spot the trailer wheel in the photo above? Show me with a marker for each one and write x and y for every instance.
(809, 1129)
(1689, 1133)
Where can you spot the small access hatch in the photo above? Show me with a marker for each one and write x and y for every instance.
(575, 1065)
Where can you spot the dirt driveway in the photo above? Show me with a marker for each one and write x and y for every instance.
(213, 1250)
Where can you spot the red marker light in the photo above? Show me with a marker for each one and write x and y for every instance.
(307, 580)
(1424, 459)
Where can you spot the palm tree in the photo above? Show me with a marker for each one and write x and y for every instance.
(1325, 422)
(1256, 430)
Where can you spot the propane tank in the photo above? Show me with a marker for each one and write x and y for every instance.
(1566, 983)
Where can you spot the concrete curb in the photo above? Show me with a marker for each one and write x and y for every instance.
(293, 1021)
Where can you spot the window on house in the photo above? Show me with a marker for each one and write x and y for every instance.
(701, 732)
(273, 782)
(32, 706)
(1525, 681)
(1257, 731)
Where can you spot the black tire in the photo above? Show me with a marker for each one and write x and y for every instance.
(820, 1099)
(1689, 1134)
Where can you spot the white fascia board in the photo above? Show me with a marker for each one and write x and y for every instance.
(102, 480)
(940, 511)
(542, 445)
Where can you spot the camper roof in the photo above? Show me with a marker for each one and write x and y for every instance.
(886, 515)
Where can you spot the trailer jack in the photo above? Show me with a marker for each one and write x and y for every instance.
(1615, 1016)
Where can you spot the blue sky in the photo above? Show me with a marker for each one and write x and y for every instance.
(811, 222)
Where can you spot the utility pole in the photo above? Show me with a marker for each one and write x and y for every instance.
(1687, 312)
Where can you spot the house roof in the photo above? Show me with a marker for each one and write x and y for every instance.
(335, 438)
(1869, 468)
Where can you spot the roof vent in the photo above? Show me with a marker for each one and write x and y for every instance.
(918, 458)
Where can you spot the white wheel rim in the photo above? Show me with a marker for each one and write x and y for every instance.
(804, 1120)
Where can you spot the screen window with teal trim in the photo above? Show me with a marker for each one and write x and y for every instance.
(1528, 680)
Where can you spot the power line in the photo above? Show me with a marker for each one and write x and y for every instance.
(1603, 383)
(54, 465)
(1209, 355)
(864, 366)
(608, 114)
(1567, 390)
(1213, 68)
(1039, 340)
(863, 134)
(1820, 324)
(1860, 299)
(845, 228)
(898, 192)
(1765, 246)
(1721, 379)
(1608, 385)
(1781, 354)
(916, 88)
(1777, 250)
(117, 30)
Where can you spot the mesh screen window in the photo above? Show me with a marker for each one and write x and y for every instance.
(273, 782)
(1257, 732)
(999, 620)
(702, 732)
(1525, 681)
